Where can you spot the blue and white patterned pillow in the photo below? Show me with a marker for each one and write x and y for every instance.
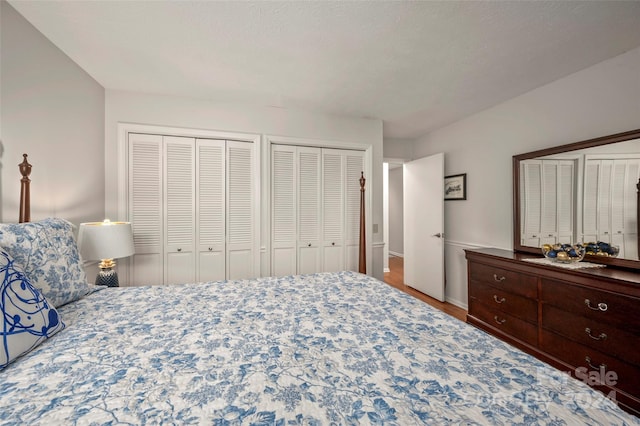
(27, 317)
(48, 254)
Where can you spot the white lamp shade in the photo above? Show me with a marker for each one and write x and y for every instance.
(105, 240)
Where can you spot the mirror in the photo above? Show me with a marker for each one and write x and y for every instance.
(581, 192)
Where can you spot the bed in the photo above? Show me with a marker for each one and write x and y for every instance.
(327, 348)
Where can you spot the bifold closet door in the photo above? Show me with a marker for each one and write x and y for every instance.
(333, 222)
(309, 193)
(609, 212)
(283, 210)
(315, 209)
(548, 188)
(295, 210)
(145, 188)
(179, 165)
(210, 209)
(240, 215)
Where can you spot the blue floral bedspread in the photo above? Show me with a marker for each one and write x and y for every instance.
(320, 349)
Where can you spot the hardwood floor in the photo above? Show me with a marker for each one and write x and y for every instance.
(395, 278)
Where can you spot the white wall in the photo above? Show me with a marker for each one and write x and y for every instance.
(54, 111)
(128, 107)
(598, 101)
(396, 211)
(399, 149)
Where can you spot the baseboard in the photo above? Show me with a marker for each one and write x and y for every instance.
(457, 303)
(396, 254)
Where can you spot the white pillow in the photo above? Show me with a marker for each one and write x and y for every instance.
(27, 317)
(48, 254)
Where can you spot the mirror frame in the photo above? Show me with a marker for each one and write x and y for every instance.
(604, 140)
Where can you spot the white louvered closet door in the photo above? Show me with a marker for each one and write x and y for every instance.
(332, 210)
(590, 201)
(354, 163)
(309, 253)
(548, 210)
(604, 201)
(548, 187)
(240, 213)
(610, 202)
(630, 219)
(531, 172)
(145, 208)
(618, 172)
(179, 210)
(566, 202)
(283, 210)
(210, 209)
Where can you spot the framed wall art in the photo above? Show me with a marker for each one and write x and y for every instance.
(455, 187)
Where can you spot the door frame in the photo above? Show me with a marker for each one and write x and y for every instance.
(385, 204)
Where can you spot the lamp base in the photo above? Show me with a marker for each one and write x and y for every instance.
(107, 277)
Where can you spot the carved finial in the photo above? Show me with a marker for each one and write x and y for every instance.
(25, 197)
(362, 181)
(25, 167)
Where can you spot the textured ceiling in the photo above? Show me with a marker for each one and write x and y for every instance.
(415, 65)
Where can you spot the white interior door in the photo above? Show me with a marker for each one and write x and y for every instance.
(423, 187)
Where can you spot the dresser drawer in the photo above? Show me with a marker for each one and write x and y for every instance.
(510, 303)
(589, 360)
(600, 306)
(508, 324)
(514, 282)
(595, 334)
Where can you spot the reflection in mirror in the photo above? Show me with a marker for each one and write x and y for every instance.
(582, 192)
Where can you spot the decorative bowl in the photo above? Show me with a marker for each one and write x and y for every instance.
(564, 253)
(600, 248)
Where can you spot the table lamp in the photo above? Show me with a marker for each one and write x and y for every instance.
(105, 241)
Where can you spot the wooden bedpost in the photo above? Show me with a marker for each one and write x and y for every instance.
(362, 267)
(638, 215)
(25, 196)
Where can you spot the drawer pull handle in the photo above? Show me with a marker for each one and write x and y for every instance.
(498, 279)
(179, 249)
(601, 306)
(602, 366)
(501, 300)
(499, 321)
(602, 336)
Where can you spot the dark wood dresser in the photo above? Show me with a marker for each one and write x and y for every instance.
(582, 321)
